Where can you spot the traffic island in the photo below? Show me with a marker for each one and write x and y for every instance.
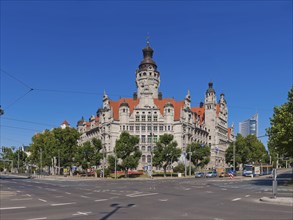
(278, 200)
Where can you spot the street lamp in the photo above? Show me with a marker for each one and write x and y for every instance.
(190, 153)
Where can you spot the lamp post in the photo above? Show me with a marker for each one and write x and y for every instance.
(234, 168)
(190, 153)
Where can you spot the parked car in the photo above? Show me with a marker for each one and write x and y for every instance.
(222, 174)
(212, 174)
(199, 174)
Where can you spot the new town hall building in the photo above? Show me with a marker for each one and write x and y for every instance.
(148, 115)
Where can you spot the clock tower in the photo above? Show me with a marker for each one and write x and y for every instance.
(147, 76)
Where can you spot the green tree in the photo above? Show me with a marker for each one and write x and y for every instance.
(88, 154)
(281, 131)
(165, 152)
(126, 149)
(200, 154)
(247, 150)
(58, 143)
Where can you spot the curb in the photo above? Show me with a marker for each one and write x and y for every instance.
(278, 200)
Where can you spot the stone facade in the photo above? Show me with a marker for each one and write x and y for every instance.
(148, 115)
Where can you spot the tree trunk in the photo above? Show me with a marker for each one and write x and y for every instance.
(165, 168)
(126, 173)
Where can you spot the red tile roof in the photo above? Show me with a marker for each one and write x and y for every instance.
(218, 109)
(65, 123)
(178, 105)
(229, 132)
(199, 111)
(116, 104)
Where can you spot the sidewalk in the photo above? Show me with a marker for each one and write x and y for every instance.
(278, 200)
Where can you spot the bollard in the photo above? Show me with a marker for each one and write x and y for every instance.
(275, 183)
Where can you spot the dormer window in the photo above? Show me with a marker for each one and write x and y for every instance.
(144, 73)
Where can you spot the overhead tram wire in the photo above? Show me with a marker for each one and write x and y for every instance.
(30, 122)
(7, 126)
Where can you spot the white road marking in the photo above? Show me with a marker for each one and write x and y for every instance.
(59, 196)
(28, 195)
(163, 200)
(236, 199)
(100, 200)
(247, 196)
(97, 190)
(21, 199)
(224, 189)
(82, 213)
(68, 193)
(20, 207)
(143, 194)
(187, 189)
(18, 191)
(37, 218)
(209, 192)
(43, 200)
(59, 204)
(84, 196)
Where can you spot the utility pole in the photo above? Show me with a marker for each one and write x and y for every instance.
(59, 161)
(234, 168)
(190, 153)
(41, 160)
(18, 161)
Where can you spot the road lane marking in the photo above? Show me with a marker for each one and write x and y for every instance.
(18, 191)
(37, 218)
(28, 195)
(59, 196)
(138, 195)
(85, 197)
(20, 207)
(236, 199)
(247, 196)
(224, 189)
(82, 213)
(163, 200)
(100, 200)
(68, 193)
(59, 204)
(43, 200)
(21, 199)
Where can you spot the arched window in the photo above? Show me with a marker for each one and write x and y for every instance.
(149, 148)
(149, 158)
(143, 158)
(142, 148)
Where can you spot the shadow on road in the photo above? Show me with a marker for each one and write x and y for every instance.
(116, 208)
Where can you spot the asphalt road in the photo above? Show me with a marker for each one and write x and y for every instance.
(194, 198)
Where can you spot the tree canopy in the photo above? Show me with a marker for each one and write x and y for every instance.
(127, 151)
(281, 131)
(200, 154)
(165, 152)
(59, 143)
(247, 150)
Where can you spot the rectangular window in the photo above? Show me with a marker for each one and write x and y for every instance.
(131, 127)
(142, 128)
(137, 118)
(155, 139)
(169, 127)
(210, 137)
(123, 127)
(149, 128)
(155, 128)
(137, 128)
(155, 118)
(143, 118)
(149, 139)
(161, 127)
(149, 118)
(142, 138)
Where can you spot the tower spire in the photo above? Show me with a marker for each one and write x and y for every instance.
(148, 40)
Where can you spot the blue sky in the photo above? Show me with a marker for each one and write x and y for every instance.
(68, 52)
